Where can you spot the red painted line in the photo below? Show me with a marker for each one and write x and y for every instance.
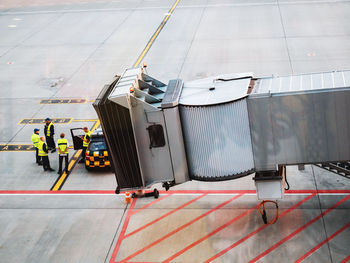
(151, 203)
(322, 243)
(122, 233)
(335, 191)
(209, 235)
(171, 192)
(257, 230)
(57, 192)
(298, 230)
(164, 216)
(180, 228)
(347, 259)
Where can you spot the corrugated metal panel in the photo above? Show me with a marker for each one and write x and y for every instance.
(117, 128)
(303, 82)
(217, 140)
(296, 128)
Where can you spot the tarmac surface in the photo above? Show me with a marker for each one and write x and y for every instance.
(67, 50)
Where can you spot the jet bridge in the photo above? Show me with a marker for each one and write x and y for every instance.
(224, 127)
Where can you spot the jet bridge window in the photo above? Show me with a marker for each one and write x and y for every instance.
(156, 136)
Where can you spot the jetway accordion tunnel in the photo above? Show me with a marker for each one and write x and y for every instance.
(224, 127)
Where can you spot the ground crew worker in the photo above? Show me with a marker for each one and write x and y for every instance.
(35, 140)
(49, 131)
(86, 141)
(63, 147)
(43, 152)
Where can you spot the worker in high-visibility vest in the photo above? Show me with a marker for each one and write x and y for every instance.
(86, 142)
(49, 130)
(35, 139)
(43, 152)
(63, 150)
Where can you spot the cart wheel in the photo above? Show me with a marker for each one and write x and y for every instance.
(117, 191)
(156, 193)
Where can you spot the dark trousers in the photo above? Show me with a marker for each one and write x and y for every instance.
(46, 162)
(37, 157)
(83, 154)
(50, 142)
(60, 163)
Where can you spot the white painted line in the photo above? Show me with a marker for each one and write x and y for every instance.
(11, 26)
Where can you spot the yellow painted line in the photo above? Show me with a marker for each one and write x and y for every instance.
(144, 52)
(86, 120)
(18, 148)
(63, 101)
(64, 175)
(39, 121)
(71, 164)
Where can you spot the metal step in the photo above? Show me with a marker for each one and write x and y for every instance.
(340, 168)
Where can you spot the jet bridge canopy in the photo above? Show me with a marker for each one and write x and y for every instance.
(222, 127)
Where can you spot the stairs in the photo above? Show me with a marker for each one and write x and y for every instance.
(340, 168)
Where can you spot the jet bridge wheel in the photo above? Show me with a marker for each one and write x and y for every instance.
(156, 193)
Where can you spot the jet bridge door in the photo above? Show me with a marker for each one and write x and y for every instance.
(77, 137)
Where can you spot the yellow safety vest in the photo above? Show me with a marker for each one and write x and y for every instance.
(86, 144)
(48, 132)
(41, 149)
(35, 140)
(62, 145)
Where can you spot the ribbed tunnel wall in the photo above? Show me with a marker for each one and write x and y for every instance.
(217, 141)
(117, 127)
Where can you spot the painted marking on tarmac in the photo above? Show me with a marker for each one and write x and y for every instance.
(151, 203)
(93, 120)
(188, 192)
(42, 121)
(279, 243)
(311, 195)
(182, 227)
(155, 35)
(72, 162)
(19, 148)
(347, 259)
(122, 233)
(63, 101)
(322, 243)
(211, 233)
(163, 216)
(243, 239)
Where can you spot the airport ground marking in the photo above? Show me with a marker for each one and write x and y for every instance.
(334, 192)
(164, 216)
(73, 161)
(42, 121)
(297, 231)
(122, 233)
(180, 228)
(82, 120)
(311, 194)
(243, 239)
(345, 260)
(64, 101)
(30, 147)
(155, 35)
(19, 148)
(236, 218)
(310, 252)
(151, 203)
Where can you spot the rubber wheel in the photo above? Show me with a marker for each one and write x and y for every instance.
(156, 193)
(88, 168)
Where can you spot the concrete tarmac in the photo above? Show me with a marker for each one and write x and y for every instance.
(69, 49)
